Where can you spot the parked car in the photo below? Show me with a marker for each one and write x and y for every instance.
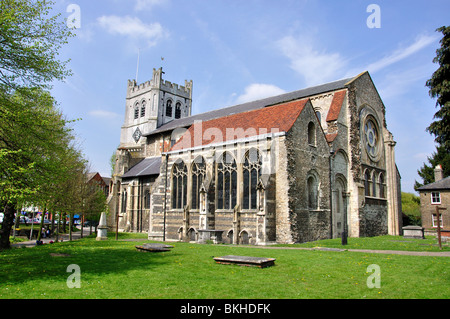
(90, 223)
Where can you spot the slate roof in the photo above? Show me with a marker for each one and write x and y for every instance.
(254, 105)
(148, 166)
(272, 119)
(443, 184)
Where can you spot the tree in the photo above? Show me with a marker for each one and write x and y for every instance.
(439, 88)
(33, 133)
(29, 44)
(34, 141)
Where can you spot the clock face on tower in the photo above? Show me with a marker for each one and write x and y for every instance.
(137, 135)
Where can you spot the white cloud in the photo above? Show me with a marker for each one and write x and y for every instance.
(148, 4)
(315, 66)
(103, 114)
(395, 84)
(421, 42)
(257, 91)
(133, 27)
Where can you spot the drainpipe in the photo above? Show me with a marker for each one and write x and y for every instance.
(331, 191)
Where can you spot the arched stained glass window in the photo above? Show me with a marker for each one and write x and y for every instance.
(178, 110)
(198, 176)
(382, 185)
(252, 173)
(311, 134)
(169, 108)
(313, 189)
(179, 185)
(226, 182)
(367, 183)
(136, 111)
(143, 105)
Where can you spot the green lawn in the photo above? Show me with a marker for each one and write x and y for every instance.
(115, 269)
(429, 244)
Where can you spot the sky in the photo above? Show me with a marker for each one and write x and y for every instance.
(238, 51)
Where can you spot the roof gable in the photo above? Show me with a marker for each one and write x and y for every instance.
(278, 118)
(336, 104)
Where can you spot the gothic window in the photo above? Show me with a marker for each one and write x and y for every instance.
(382, 185)
(179, 185)
(374, 184)
(251, 175)
(198, 176)
(124, 202)
(226, 182)
(169, 108)
(147, 199)
(136, 111)
(178, 110)
(311, 134)
(313, 188)
(143, 104)
(371, 138)
(367, 183)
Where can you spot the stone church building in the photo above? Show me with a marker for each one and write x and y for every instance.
(296, 167)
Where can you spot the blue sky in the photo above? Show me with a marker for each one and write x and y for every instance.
(236, 51)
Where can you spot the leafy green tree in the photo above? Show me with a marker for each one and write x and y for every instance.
(439, 88)
(33, 133)
(411, 209)
(30, 40)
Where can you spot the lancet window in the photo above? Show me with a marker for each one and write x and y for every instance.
(251, 175)
(198, 176)
(226, 182)
(179, 185)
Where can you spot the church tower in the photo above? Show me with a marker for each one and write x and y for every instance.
(152, 104)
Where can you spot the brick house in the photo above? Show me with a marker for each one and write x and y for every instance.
(432, 195)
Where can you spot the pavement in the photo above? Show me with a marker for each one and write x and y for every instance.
(62, 237)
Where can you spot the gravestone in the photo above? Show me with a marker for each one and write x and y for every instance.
(154, 248)
(260, 262)
(416, 232)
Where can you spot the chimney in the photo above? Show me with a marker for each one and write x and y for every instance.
(438, 175)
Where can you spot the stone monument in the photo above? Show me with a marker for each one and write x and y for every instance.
(102, 228)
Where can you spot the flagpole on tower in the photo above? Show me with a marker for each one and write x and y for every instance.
(137, 67)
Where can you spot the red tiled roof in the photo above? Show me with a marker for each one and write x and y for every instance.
(336, 105)
(272, 119)
(330, 137)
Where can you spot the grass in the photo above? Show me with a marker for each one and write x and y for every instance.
(116, 270)
(429, 244)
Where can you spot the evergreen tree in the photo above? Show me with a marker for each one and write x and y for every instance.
(439, 88)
